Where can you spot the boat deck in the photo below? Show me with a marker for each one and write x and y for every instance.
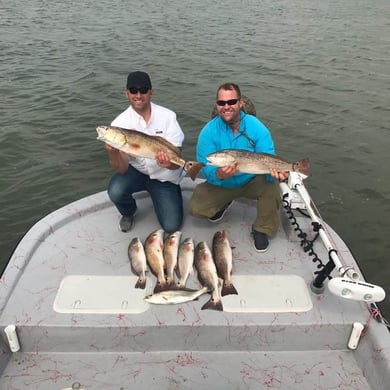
(275, 334)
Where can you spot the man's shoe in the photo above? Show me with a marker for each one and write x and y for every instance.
(126, 222)
(260, 241)
(220, 214)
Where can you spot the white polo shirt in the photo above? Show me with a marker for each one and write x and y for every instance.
(162, 123)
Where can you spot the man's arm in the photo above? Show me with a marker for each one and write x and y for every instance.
(118, 159)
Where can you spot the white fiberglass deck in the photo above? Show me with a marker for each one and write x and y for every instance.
(286, 338)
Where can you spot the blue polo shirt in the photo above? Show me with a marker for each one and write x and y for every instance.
(217, 135)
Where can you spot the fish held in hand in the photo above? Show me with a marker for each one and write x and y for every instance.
(176, 296)
(137, 259)
(223, 258)
(207, 275)
(154, 245)
(185, 261)
(138, 144)
(171, 249)
(256, 163)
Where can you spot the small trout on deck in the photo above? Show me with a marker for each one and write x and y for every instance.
(176, 296)
(154, 245)
(207, 275)
(223, 257)
(171, 248)
(137, 258)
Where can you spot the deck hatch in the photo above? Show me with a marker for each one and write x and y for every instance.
(100, 294)
(268, 294)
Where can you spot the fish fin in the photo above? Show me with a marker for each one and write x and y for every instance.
(193, 168)
(302, 166)
(168, 144)
(177, 272)
(213, 305)
(228, 290)
(141, 283)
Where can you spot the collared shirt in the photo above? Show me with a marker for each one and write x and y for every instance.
(162, 123)
(217, 135)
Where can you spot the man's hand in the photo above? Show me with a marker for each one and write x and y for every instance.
(278, 175)
(118, 160)
(163, 161)
(227, 171)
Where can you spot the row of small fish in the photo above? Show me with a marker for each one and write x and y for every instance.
(164, 257)
(167, 256)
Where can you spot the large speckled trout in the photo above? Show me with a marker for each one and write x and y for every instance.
(138, 144)
(256, 163)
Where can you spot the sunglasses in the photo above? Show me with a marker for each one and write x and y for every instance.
(142, 90)
(230, 102)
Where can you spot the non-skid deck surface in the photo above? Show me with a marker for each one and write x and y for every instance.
(179, 370)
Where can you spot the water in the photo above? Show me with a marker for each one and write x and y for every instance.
(317, 71)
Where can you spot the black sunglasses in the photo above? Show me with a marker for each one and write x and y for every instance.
(230, 102)
(135, 90)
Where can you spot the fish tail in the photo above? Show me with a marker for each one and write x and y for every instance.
(302, 166)
(228, 289)
(193, 168)
(141, 283)
(160, 286)
(170, 284)
(211, 304)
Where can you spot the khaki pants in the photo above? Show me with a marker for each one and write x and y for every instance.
(207, 200)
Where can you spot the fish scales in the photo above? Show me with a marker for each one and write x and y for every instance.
(223, 258)
(154, 245)
(176, 296)
(137, 257)
(171, 249)
(256, 163)
(185, 261)
(207, 275)
(138, 144)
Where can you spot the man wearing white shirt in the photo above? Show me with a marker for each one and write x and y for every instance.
(160, 178)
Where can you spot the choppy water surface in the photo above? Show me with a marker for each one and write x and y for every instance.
(317, 71)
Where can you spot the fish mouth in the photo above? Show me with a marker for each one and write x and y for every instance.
(101, 130)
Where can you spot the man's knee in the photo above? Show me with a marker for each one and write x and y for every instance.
(115, 192)
(191, 207)
(171, 226)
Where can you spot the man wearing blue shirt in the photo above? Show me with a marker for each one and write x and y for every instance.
(233, 129)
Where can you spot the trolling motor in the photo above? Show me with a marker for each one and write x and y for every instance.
(348, 284)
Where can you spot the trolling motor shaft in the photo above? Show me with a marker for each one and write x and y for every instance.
(348, 284)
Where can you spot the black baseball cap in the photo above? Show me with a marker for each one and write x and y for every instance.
(138, 79)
